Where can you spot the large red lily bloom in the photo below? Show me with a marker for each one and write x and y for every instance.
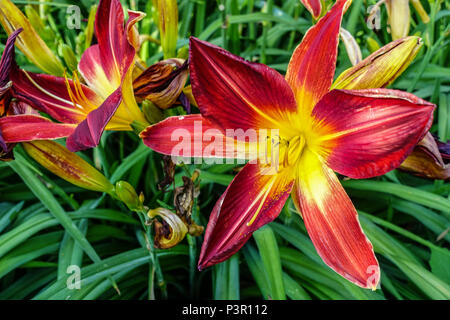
(357, 133)
(83, 111)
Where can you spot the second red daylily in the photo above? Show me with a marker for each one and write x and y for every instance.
(358, 133)
(83, 111)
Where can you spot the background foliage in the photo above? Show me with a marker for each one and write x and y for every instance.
(406, 218)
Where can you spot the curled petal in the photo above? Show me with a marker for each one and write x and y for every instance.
(170, 231)
(195, 136)
(30, 43)
(311, 69)
(88, 133)
(427, 160)
(382, 67)
(313, 6)
(254, 198)
(234, 93)
(21, 128)
(67, 165)
(366, 133)
(332, 223)
(162, 83)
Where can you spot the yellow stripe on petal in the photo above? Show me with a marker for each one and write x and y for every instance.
(28, 41)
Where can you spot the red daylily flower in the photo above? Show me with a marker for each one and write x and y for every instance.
(83, 111)
(357, 133)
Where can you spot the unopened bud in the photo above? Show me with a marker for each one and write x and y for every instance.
(372, 44)
(126, 193)
(398, 17)
(69, 56)
(67, 165)
(167, 16)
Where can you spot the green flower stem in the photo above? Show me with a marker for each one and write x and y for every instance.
(153, 257)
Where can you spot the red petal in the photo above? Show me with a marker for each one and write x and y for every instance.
(197, 135)
(234, 93)
(89, 131)
(254, 198)
(367, 133)
(313, 6)
(332, 223)
(49, 94)
(311, 69)
(23, 128)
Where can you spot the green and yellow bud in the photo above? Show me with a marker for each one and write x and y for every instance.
(420, 11)
(69, 56)
(382, 67)
(90, 27)
(372, 44)
(170, 231)
(67, 165)
(398, 18)
(127, 194)
(166, 14)
(29, 41)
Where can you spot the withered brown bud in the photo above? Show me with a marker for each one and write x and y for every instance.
(169, 173)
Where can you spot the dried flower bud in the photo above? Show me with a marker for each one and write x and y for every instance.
(162, 82)
(126, 193)
(67, 165)
(170, 231)
(351, 46)
(428, 160)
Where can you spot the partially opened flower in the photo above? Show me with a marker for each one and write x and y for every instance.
(358, 133)
(84, 111)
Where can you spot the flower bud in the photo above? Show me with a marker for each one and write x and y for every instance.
(420, 11)
(398, 18)
(382, 67)
(162, 82)
(170, 231)
(372, 44)
(90, 27)
(427, 160)
(67, 165)
(126, 193)
(29, 41)
(351, 46)
(167, 16)
(69, 56)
